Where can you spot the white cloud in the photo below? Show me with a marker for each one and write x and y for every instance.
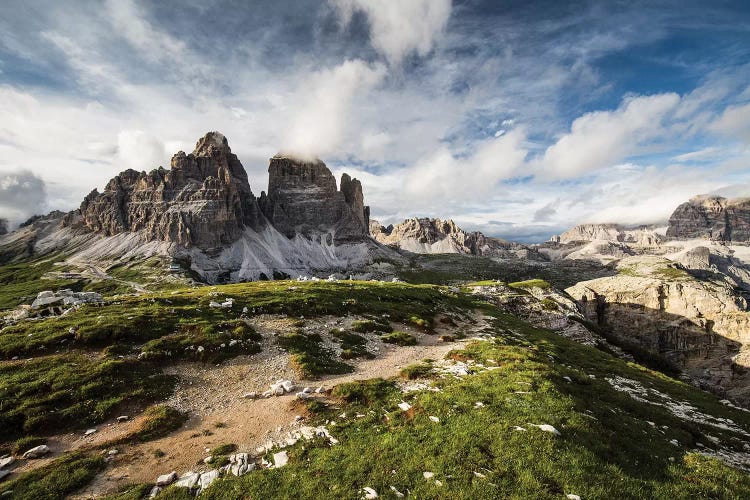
(699, 155)
(318, 123)
(140, 150)
(400, 27)
(153, 44)
(22, 194)
(602, 138)
(735, 120)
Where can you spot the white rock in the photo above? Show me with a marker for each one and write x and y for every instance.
(547, 428)
(517, 428)
(307, 390)
(188, 480)
(288, 385)
(397, 493)
(214, 304)
(250, 395)
(89, 432)
(122, 418)
(369, 493)
(434, 419)
(320, 390)
(478, 404)
(479, 475)
(5, 462)
(303, 395)
(37, 451)
(166, 479)
(280, 459)
(428, 475)
(154, 491)
(404, 406)
(571, 496)
(207, 478)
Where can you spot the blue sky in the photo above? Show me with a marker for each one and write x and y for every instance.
(517, 118)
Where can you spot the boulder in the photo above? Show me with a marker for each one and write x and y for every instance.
(207, 478)
(188, 480)
(166, 479)
(37, 451)
(280, 459)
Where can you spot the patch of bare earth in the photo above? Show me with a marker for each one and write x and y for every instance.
(212, 395)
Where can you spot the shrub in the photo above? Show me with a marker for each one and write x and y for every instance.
(369, 326)
(26, 443)
(421, 370)
(159, 421)
(399, 338)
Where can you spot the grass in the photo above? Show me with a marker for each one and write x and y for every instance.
(224, 449)
(399, 338)
(131, 492)
(352, 345)
(309, 357)
(26, 443)
(132, 321)
(159, 421)
(528, 284)
(19, 283)
(57, 480)
(607, 448)
(369, 326)
(419, 370)
(71, 391)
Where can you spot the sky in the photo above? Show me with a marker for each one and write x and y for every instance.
(518, 118)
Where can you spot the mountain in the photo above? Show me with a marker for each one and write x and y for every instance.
(3, 226)
(610, 232)
(436, 236)
(203, 212)
(711, 217)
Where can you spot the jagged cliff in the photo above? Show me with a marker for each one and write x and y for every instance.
(701, 326)
(205, 201)
(711, 217)
(302, 199)
(610, 232)
(425, 235)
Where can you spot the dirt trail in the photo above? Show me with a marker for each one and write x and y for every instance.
(212, 396)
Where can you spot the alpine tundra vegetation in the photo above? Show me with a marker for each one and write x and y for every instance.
(522, 270)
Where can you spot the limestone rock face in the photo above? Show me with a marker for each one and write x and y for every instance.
(204, 200)
(426, 235)
(712, 217)
(610, 232)
(702, 327)
(303, 199)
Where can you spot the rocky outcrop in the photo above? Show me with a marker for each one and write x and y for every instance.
(3, 226)
(204, 201)
(425, 235)
(303, 199)
(711, 217)
(610, 232)
(702, 327)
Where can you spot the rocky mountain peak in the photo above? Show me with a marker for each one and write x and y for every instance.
(711, 217)
(303, 199)
(204, 200)
(432, 235)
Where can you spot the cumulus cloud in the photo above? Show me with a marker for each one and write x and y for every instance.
(140, 150)
(318, 123)
(735, 120)
(602, 138)
(399, 28)
(22, 194)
